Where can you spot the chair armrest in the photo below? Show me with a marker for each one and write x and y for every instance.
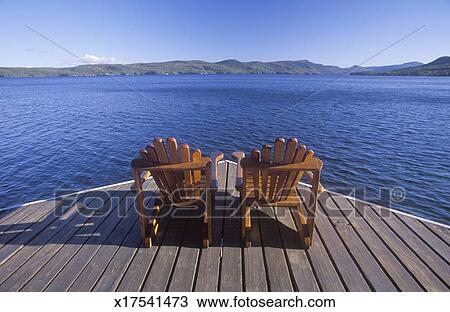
(313, 164)
(200, 164)
(142, 164)
(239, 156)
(215, 158)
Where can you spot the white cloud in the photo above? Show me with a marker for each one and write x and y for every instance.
(94, 59)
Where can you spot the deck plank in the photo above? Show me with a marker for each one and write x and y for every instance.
(440, 268)
(439, 247)
(105, 212)
(140, 265)
(415, 265)
(377, 278)
(297, 258)
(394, 268)
(231, 277)
(94, 269)
(77, 264)
(6, 213)
(18, 231)
(324, 270)
(349, 271)
(159, 276)
(209, 265)
(10, 244)
(116, 268)
(18, 214)
(184, 271)
(46, 253)
(441, 231)
(356, 246)
(277, 268)
(254, 267)
(26, 210)
(19, 256)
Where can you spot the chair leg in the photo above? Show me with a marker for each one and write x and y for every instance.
(153, 224)
(207, 222)
(308, 242)
(312, 206)
(246, 226)
(212, 208)
(241, 208)
(310, 231)
(139, 201)
(301, 226)
(248, 233)
(205, 234)
(206, 230)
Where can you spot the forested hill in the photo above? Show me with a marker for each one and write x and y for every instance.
(177, 67)
(440, 66)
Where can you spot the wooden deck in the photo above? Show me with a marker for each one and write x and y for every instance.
(92, 244)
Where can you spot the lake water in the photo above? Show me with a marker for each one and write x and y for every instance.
(371, 132)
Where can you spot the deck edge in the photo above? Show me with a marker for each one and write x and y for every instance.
(64, 195)
(222, 161)
(383, 207)
(71, 194)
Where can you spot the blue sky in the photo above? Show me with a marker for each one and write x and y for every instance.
(330, 32)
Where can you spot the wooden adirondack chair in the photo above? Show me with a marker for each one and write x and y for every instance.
(265, 180)
(183, 180)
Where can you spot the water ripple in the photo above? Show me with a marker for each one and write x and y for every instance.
(371, 132)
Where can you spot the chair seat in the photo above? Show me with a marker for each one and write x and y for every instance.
(250, 186)
(293, 199)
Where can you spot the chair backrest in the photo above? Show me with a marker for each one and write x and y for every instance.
(179, 184)
(276, 185)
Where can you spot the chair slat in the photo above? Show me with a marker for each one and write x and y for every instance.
(196, 155)
(299, 175)
(172, 150)
(266, 151)
(300, 154)
(144, 155)
(163, 159)
(290, 181)
(278, 151)
(277, 158)
(174, 158)
(291, 148)
(186, 157)
(159, 177)
(256, 155)
(161, 151)
(151, 152)
(289, 154)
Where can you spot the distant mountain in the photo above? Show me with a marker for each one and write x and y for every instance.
(378, 69)
(231, 66)
(438, 67)
(443, 60)
(302, 67)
